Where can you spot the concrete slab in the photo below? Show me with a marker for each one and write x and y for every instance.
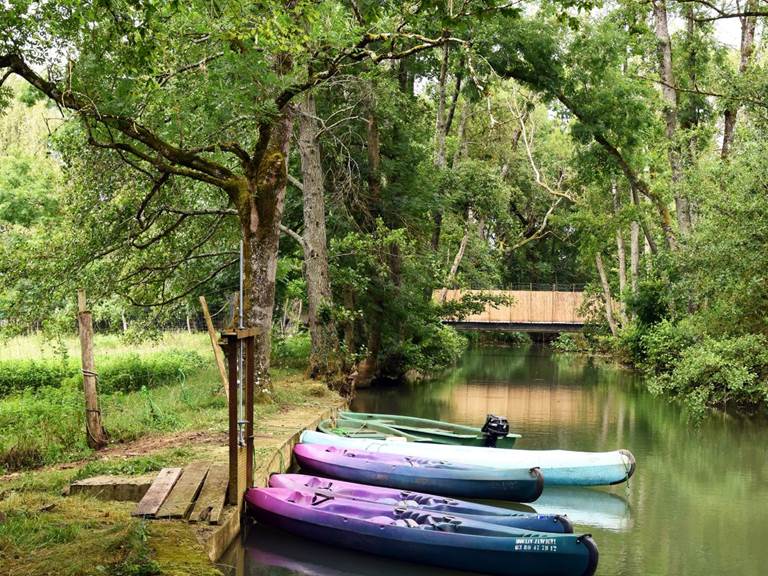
(119, 488)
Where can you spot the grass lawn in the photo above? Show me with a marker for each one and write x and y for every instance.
(46, 425)
(35, 346)
(44, 532)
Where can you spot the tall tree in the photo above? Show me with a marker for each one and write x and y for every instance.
(669, 93)
(203, 92)
(746, 51)
(322, 327)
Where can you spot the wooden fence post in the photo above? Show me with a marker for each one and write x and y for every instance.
(96, 436)
(217, 353)
(232, 353)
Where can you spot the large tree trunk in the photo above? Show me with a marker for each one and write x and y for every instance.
(461, 151)
(608, 300)
(634, 255)
(643, 224)
(620, 251)
(747, 48)
(441, 121)
(322, 331)
(368, 368)
(669, 93)
(405, 78)
(260, 209)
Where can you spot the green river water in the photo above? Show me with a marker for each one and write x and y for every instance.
(697, 504)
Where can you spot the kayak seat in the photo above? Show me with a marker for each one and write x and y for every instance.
(387, 521)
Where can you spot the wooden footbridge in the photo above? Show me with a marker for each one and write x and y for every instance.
(533, 310)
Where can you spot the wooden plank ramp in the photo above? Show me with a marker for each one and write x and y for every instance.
(182, 497)
(212, 497)
(158, 492)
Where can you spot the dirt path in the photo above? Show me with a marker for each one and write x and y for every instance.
(144, 446)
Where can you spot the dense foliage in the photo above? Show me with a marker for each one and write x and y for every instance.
(619, 146)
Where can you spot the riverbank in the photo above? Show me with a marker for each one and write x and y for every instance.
(705, 373)
(690, 507)
(42, 531)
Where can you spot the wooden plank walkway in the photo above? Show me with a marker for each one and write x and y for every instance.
(210, 503)
(196, 492)
(158, 492)
(182, 497)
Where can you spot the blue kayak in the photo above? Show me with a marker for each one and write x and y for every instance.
(417, 536)
(559, 467)
(420, 474)
(424, 502)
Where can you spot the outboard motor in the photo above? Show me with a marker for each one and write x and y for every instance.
(495, 427)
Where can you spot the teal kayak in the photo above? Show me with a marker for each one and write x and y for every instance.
(559, 467)
(494, 433)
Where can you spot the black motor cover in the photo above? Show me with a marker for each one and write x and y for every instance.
(495, 427)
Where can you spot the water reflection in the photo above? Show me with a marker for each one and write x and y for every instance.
(586, 508)
(272, 552)
(697, 504)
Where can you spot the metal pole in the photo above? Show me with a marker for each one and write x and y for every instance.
(240, 361)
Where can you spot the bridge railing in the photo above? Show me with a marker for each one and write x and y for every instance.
(543, 287)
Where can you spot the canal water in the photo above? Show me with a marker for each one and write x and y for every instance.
(697, 504)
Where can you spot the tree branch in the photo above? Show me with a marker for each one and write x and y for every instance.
(536, 173)
(162, 79)
(699, 91)
(296, 182)
(295, 235)
(185, 293)
(721, 13)
(201, 212)
(182, 162)
(360, 52)
(541, 231)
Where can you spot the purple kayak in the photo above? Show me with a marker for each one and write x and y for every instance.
(430, 503)
(418, 536)
(420, 474)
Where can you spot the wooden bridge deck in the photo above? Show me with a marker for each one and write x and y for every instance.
(530, 311)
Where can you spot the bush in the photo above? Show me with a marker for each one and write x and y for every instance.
(291, 351)
(475, 339)
(650, 304)
(116, 373)
(20, 375)
(439, 347)
(568, 343)
(40, 426)
(718, 373)
(134, 372)
(661, 347)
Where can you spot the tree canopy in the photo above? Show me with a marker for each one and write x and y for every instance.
(399, 148)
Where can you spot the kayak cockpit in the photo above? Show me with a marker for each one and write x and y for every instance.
(400, 516)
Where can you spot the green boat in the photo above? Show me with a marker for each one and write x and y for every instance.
(495, 432)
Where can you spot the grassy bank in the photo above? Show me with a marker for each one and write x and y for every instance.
(169, 386)
(703, 372)
(44, 532)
